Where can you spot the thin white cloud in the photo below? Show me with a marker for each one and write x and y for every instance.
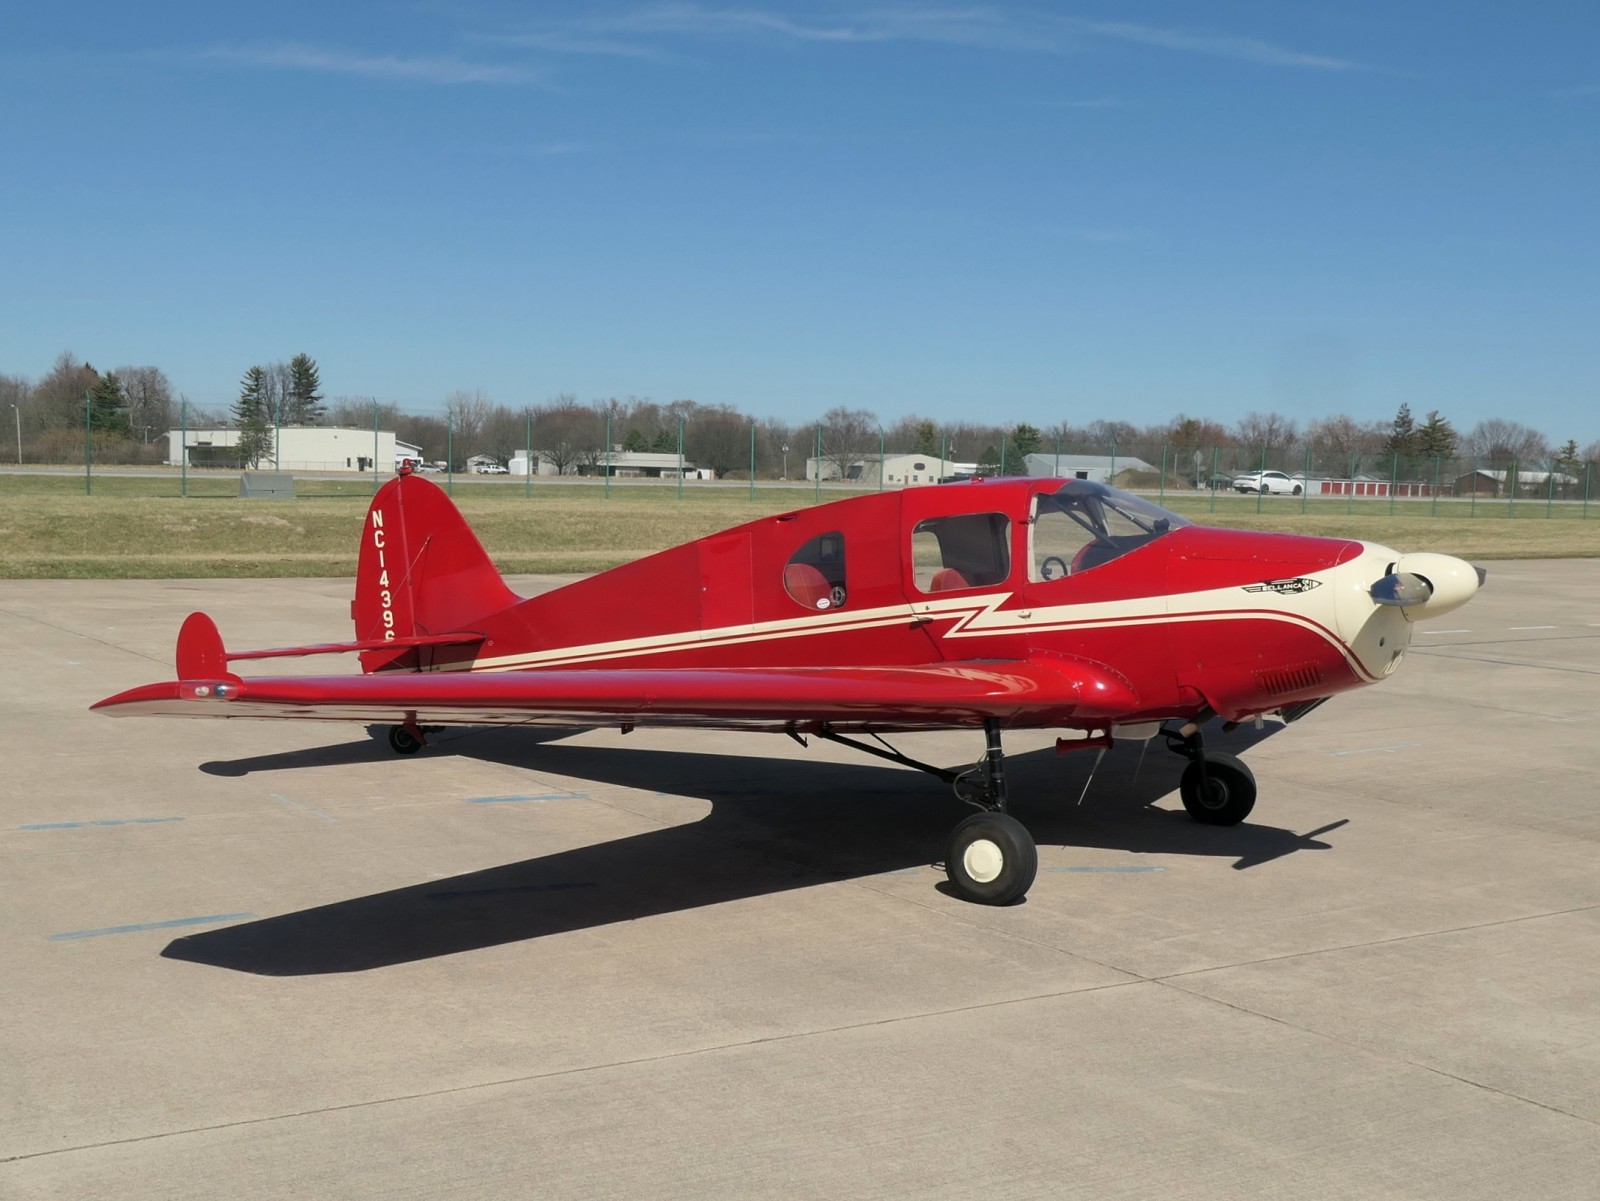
(631, 32)
(391, 68)
(1246, 49)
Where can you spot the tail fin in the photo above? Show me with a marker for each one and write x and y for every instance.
(421, 571)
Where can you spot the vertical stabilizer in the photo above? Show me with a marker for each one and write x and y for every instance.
(421, 571)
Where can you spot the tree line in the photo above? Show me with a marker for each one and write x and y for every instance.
(129, 410)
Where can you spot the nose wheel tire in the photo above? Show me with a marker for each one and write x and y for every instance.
(403, 742)
(991, 859)
(1227, 795)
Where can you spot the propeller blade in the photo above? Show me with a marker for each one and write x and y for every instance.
(1402, 588)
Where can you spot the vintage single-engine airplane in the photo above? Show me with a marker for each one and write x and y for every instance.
(986, 605)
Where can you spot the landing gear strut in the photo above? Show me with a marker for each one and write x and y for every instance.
(1217, 789)
(991, 858)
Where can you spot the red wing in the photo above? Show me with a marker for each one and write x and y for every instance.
(1043, 692)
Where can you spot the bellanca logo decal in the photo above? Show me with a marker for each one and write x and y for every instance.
(1285, 587)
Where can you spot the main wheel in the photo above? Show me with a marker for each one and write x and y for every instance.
(991, 859)
(1229, 794)
(403, 742)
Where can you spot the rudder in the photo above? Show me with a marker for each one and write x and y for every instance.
(421, 570)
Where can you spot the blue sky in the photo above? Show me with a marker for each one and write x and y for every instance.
(1044, 213)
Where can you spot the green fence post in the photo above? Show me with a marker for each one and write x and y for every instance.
(1305, 483)
(1587, 468)
(752, 460)
(1394, 480)
(527, 456)
(1058, 456)
(183, 451)
(818, 461)
(449, 453)
(1433, 509)
(1261, 489)
(377, 479)
(1350, 492)
(880, 458)
(1112, 478)
(1512, 480)
(1212, 482)
(1472, 501)
(1163, 487)
(680, 458)
(88, 448)
(1550, 494)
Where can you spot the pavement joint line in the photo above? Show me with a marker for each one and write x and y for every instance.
(278, 796)
(50, 625)
(1375, 942)
(579, 1070)
(1439, 653)
(1379, 1053)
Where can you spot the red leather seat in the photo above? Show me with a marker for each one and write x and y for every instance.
(806, 584)
(948, 579)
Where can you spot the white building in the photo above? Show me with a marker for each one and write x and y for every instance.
(897, 470)
(624, 464)
(290, 448)
(1101, 468)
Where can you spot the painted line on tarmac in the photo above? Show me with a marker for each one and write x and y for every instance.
(538, 799)
(278, 796)
(1534, 627)
(71, 935)
(104, 821)
(1446, 631)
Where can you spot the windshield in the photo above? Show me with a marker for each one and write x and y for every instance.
(1084, 525)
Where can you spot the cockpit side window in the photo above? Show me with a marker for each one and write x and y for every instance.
(814, 576)
(968, 550)
(1085, 525)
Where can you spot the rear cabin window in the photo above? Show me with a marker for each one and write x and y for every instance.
(814, 576)
(968, 550)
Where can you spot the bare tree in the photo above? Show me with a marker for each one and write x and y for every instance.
(58, 397)
(567, 435)
(718, 438)
(1341, 442)
(362, 412)
(847, 436)
(468, 411)
(149, 401)
(1497, 441)
(1266, 435)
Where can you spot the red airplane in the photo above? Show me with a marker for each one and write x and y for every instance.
(989, 605)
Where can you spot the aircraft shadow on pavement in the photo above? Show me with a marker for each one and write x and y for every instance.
(774, 825)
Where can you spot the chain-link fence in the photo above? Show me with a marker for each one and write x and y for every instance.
(361, 443)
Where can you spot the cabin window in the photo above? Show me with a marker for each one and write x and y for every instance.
(814, 576)
(967, 550)
(1085, 525)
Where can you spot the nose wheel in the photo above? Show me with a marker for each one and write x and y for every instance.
(1216, 789)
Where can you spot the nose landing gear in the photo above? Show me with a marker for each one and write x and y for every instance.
(1216, 789)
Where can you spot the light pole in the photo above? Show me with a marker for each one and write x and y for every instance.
(785, 458)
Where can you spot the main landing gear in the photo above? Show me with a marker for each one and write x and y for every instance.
(991, 858)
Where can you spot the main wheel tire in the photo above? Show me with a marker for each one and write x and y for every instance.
(991, 859)
(1229, 794)
(403, 742)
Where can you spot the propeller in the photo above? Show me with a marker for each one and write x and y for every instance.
(1428, 585)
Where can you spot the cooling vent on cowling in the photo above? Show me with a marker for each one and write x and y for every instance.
(1282, 680)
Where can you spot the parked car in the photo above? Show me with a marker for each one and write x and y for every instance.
(430, 468)
(1273, 482)
(490, 469)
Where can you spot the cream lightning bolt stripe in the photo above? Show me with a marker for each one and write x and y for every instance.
(971, 616)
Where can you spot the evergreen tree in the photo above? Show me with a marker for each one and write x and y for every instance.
(1436, 437)
(108, 405)
(635, 441)
(304, 405)
(1402, 439)
(927, 439)
(250, 411)
(1566, 459)
(1025, 439)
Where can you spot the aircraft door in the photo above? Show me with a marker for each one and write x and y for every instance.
(727, 602)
